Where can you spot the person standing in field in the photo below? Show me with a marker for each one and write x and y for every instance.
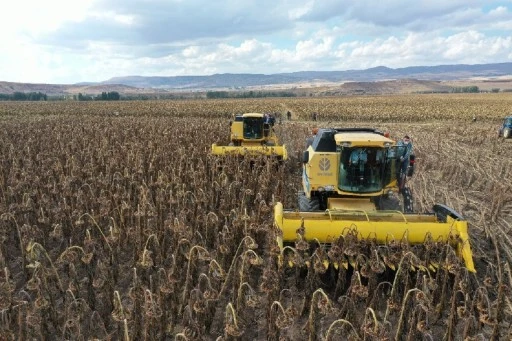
(289, 115)
(404, 153)
(278, 117)
(309, 140)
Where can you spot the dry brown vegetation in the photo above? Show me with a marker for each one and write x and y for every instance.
(116, 223)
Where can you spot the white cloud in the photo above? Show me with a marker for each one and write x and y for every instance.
(313, 49)
(300, 11)
(35, 17)
(124, 19)
(474, 47)
(191, 52)
(499, 12)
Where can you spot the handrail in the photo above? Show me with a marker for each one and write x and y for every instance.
(338, 211)
(346, 212)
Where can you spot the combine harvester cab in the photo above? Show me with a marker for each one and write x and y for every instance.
(252, 135)
(348, 175)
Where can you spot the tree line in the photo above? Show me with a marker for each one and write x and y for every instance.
(24, 96)
(115, 96)
(249, 94)
(105, 96)
(39, 96)
(466, 89)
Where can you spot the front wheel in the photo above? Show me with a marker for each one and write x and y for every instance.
(306, 204)
(389, 202)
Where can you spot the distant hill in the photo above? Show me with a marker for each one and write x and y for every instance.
(64, 89)
(377, 80)
(227, 80)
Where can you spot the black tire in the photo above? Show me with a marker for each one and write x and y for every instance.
(410, 171)
(407, 200)
(389, 203)
(307, 205)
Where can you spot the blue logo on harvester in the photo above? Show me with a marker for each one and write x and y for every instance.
(324, 164)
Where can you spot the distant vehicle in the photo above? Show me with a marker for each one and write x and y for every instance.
(505, 130)
(252, 134)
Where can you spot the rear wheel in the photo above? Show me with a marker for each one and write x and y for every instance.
(407, 200)
(307, 205)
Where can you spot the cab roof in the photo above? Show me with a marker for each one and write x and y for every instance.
(362, 138)
(327, 139)
(252, 114)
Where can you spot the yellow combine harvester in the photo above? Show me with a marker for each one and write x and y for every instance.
(252, 134)
(349, 180)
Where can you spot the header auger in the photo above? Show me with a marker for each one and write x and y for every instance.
(350, 178)
(252, 134)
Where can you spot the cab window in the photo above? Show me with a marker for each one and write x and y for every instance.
(366, 169)
(253, 128)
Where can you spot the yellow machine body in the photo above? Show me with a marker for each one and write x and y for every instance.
(338, 203)
(322, 171)
(251, 135)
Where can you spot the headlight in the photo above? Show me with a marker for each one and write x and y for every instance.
(387, 144)
(346, 144)
(329, 188)
(320, 189)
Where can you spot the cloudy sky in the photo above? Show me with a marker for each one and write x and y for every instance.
(68, 41)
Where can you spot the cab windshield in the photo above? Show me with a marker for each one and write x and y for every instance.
(508, 121)
(253, 128)
(366, 169)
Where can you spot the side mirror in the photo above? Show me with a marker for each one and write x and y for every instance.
(305, 156)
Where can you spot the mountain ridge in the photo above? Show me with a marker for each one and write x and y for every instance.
(380, 79)
(379, 73)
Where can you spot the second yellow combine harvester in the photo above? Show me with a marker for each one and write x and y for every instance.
(252, 134)
(348, 175)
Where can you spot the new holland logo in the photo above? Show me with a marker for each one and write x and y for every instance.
(324, 164)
